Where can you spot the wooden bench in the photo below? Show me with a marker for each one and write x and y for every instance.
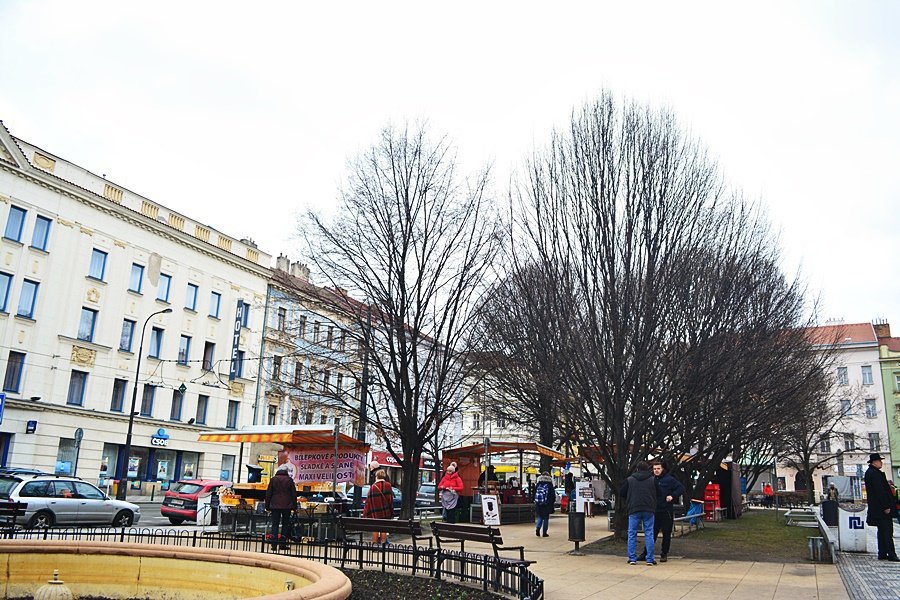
(362, 526)
(460, 533)
(9, 512)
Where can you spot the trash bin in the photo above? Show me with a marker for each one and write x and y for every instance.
(576, 526)
(851, 527)
(830, 512)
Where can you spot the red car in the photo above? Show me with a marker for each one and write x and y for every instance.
(180, 503)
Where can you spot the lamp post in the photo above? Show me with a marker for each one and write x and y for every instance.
(122, 491)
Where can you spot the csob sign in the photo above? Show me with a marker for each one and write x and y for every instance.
(236, 339)
(160, 439)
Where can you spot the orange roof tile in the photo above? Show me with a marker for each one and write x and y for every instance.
(851, 333)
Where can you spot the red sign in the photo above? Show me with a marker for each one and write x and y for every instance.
(385, 459)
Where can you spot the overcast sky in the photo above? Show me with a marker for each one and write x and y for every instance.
(242, 115)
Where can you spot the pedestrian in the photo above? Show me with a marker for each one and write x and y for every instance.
(281, 501)
(569, 487)
(833, 493)
(768, 494)
(379, 504)
(881, 509)
(544, 500)
(450, 487)
(668, 490)
(639, 495)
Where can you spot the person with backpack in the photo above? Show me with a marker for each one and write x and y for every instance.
(544, 499)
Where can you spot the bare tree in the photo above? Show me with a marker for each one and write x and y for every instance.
(415, 241)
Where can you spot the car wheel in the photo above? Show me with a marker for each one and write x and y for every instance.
(175, 521)
(124, 518)
(41, 520)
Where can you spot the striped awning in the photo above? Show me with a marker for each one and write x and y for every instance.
(297, 435)
(476, 450)
(246, 437)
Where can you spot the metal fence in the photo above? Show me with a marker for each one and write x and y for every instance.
(483, 570)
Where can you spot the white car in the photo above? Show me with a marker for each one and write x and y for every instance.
(59, 500)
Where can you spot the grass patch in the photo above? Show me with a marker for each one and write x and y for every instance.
(756, 536)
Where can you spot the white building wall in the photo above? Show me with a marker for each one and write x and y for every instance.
(130, 229)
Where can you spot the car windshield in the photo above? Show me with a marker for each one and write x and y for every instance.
(6, 484)
(182, 487)
(427, 489)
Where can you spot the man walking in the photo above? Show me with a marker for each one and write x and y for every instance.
(881, 508)
(639, 495)
(668, 490)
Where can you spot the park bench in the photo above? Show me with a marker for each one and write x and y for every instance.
(800, 517)
(9, 512)
(689, 522)
(460, 533)
(362, 526)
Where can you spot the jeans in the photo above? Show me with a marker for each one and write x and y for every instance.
(647, 518)
(542, 523)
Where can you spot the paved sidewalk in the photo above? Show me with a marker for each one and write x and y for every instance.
(866, 577)
(595, 576)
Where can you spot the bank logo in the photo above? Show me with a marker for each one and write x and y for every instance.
(856, 523)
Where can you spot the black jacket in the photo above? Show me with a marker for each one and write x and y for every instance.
(281, 493)
(666, 485)
(639, 491)
(878, 493)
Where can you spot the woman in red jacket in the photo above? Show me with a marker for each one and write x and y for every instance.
(380, 504)
(450, 487)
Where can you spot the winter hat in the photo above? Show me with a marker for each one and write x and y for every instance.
(452, 467)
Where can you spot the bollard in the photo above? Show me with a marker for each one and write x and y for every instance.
(815, 546)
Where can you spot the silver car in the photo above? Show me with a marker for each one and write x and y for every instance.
(58, 500)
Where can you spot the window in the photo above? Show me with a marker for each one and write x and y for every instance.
(147, 400)
(476, 421)
(825, 446)
(849, 442)
(184, 349)
(86, 325)
(874, 442)
(98, 264)
(281, 319)
(315, 331)
(6, 283)
(245, 314)
(136, 281)
(15, 223)
(162, 289)
(276, 368)
(239, 363)
(309, 417)
(14, 366)
(209, 352)
(190, 300)
(842, 378)
(896, 377)
(127, 336)
(323, 419)
(326, 379)
(215, 302)
(117, 404)
(301, 326)
(329, 336)
(501, 422)
(232, 417)
(846, 408)
(867, 375)
(298, 373)
(177, 402)
(871, 410)
(273, 414)
(202, 403)
(343, 340)
(339, 386)
(41, 233)
(27, 299)
(77, 383)
(295, 416)
(156, 338)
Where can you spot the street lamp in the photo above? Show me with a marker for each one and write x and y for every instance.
(122, 491)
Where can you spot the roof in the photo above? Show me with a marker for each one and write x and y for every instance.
(293, 435)
(843, 335)
(892, 343)
(476, 450)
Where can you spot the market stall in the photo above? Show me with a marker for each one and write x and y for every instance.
(515, 506)
(318, 459)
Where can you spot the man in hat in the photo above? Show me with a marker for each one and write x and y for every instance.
(881, 508)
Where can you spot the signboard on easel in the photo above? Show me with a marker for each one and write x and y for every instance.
(490, 509)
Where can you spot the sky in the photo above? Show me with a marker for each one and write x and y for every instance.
(244, 115)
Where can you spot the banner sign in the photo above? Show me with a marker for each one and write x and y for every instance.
(490, 510)
(315, 466)
(236, 339)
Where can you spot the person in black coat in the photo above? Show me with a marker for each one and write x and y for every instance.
(638, 496)
(668, 490)
(281, 501)
(881, 508)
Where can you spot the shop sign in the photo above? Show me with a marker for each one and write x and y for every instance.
(236, 339)
(385, 459)
(160, 439)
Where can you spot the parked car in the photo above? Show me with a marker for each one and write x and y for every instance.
(59, 500)
(21, 471)
(180, 501)
(398, 496)
(425, 495)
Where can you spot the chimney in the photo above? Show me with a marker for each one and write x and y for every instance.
(300, 270)
(282, 263)
(882, 328)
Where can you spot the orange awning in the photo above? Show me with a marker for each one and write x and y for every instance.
(296, 435)
(476, 450)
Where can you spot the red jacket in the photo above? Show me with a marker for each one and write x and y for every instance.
(451, 481)
(380, 502)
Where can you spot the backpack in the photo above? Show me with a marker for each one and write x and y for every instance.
(541, 494)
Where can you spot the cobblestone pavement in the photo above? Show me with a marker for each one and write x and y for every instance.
(866, 577)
